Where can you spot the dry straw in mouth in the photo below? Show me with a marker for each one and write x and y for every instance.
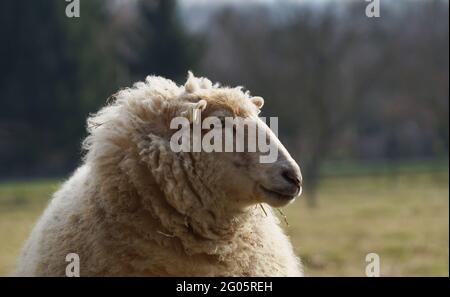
(279, 210)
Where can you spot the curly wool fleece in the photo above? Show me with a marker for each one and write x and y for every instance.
(134, 208)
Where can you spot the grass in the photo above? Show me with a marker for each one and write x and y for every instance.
(403, 217)
(20, 206)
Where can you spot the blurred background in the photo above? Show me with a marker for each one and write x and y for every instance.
(362, 106)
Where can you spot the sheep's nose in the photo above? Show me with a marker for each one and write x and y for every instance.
(293, 177)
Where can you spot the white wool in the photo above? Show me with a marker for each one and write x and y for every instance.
(134, 208)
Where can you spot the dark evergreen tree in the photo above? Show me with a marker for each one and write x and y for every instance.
(53, 73)
(161, 45)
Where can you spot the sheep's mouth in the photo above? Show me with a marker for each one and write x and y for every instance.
(277, 194)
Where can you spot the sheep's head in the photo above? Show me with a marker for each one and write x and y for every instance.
(137, 129)
(247, 175)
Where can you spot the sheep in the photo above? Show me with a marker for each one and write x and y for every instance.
(136, 208)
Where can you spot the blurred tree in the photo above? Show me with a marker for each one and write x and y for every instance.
(301, 78)
(54, 72)
(344, 86)
(160, 45)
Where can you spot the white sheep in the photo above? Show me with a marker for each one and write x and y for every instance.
(136, 208)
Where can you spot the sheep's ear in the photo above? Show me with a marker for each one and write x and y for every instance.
(258, 101)
(194, 111)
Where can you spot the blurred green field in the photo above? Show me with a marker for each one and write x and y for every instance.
(403, 217)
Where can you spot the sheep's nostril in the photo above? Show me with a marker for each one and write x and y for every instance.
(292, 177)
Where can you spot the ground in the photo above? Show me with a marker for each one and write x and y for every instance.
(403, 217)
